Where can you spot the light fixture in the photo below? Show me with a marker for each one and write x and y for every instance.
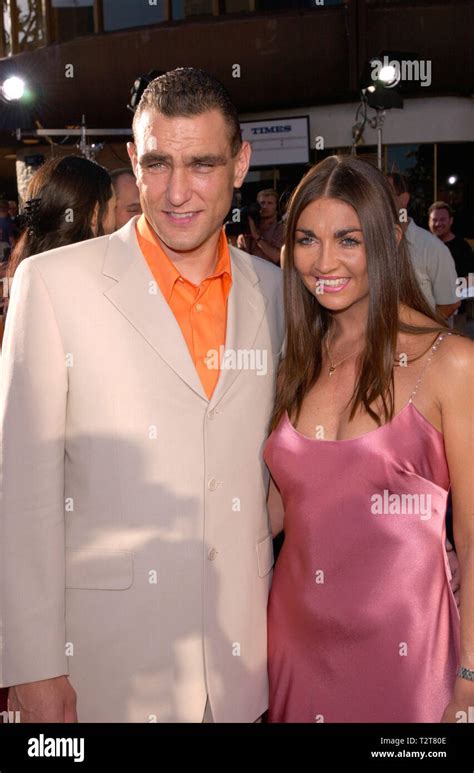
(453, 179)
(13, 89)
(139, 86)
(389, 76)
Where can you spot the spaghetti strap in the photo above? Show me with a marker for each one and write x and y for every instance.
(433, 350)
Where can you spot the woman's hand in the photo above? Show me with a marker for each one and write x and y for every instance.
(462, 699)
(455, 572)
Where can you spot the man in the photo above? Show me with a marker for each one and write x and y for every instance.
(440, 225)
(267, 239)
(13, 209)
(127, 199)
(123, 441)
(7, 228)
(432, 262)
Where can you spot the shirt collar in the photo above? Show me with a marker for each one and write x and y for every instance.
(167, 270)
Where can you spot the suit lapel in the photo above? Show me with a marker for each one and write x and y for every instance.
(245, 309)
(152, 317)
(147, 311)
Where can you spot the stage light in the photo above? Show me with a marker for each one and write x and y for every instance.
(452, 179)
(139, 86)
(13, 89)
(389, 76)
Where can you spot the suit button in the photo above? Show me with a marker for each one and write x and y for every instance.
(212, 484)
(212, 414)
(212, 553)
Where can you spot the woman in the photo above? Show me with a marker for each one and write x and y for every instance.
(69, 200)
(373, 422)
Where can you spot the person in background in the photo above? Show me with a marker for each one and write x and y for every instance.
(7, 228)
(432, 261)
(15, 218)
(127, 203)
(68, 200)
(266, 239)
(440, 224)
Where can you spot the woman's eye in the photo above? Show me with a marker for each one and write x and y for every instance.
(305, 240)
(348, 242)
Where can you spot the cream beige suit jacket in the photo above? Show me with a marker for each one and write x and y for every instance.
(135, 550)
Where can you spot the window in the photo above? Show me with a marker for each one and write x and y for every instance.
(183, 9)
(30, 24)
(130, 13)
(72, 18)
(6, 42)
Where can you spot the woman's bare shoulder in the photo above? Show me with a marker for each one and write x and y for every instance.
(453, 368)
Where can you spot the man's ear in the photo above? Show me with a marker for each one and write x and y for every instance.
(242, 164)
(132, 154)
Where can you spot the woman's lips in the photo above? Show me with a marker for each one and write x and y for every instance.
(331, 284)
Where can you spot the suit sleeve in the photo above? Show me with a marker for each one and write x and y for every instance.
(33, 393)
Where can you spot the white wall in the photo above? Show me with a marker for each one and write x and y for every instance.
(429, 119)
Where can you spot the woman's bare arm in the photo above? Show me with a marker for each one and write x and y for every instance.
(276, 510)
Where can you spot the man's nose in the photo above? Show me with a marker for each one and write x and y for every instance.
(178, 188)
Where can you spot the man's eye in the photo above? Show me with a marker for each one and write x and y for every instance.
(202, 165)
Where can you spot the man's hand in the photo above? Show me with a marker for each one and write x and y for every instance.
(242, 243)
(50, 700)
(254, 230)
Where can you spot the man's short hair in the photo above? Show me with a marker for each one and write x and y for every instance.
(441, 205)
(269, 192)
(189, 91)
(400, 183)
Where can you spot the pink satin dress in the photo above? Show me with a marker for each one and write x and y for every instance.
(362, 622)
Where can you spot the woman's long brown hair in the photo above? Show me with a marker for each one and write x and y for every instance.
(392, 282)
(61, 184)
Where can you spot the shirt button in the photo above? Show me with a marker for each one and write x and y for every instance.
(198, 307)
(212, 553)
(212, 484)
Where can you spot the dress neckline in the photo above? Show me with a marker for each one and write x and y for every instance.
(371, 432)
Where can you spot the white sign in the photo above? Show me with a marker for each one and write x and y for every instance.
(277, 141)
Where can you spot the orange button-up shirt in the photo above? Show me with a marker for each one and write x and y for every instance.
(200, 310)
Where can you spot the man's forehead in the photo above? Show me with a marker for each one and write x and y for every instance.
(157, 132)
